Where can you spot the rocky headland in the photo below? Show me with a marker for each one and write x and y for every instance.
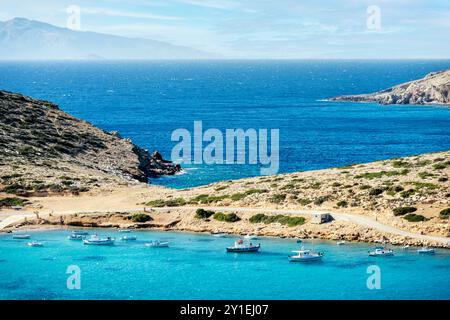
(434, 88)
(45, 150)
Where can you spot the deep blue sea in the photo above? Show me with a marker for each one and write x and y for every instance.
(146, 101)
(196, 266)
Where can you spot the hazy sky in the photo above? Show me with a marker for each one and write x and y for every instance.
(263, 28)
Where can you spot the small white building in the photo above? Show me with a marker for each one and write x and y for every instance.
(319, 218)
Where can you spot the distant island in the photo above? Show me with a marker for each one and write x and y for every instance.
(22, 39)
(432, 89)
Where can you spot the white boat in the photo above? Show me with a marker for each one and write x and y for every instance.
(251, 237)
(128, 238)
(124, 231)
(305, 255)
(96, 241)
(157, 244)
(21, 236)
(80, 233)
(426, 250)
(381, 251)
(240, 247)
(406, 246)
(35, 244)
(219, 235)
(340, 243)
(76, 237)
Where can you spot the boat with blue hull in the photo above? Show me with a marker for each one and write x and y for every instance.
(240, 247)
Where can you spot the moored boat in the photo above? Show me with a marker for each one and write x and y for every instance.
(305, 255)
(340, 243)
(124, 230)
(21, 236)
(426, 250)
(381, 251)
(35, 244)
(240, 247)
(157, 244)
(251, 237)
(96, 241)
(76, 237)
(80, 233)
(219, 235)
(128, 238)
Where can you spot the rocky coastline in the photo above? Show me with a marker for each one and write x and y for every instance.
(434, 88)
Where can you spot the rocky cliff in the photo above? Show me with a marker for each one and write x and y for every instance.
(432, 89)
(39, 141)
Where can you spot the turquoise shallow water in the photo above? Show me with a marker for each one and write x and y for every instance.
(196, 266)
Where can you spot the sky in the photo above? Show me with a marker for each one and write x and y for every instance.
(263, 29)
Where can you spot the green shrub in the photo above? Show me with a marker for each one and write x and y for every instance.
(166, 203)
(380, 174)
(342, 204)
(414, 217)
(9, 202)
(445, 213)
(226, 217)
(290, 221)
(376, 192)
(304, 202)
(320, 200)
(407, 193)
(425, 175)
(439, 166)
(278, 198)
(205, 199)
(238, 196)
(403, 210)
(203, 214)
(336, 184)
(401, 164)
(141, 217)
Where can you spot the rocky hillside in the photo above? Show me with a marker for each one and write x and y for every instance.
(433, 89)
(54, 150)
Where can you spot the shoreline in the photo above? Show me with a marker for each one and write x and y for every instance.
(168, 220)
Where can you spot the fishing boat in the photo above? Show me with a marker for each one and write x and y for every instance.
(381, 251)
(251, 237)
(426, 250)
(21, 236)
(340, 243)
(80, 233)
(157, 244)
(219, 235)
(240, 247)
(305, 255)
(35, 244)
(96, 241)
(128, 238)
(76, 237)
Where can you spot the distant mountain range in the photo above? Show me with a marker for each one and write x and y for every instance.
(28, 39)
